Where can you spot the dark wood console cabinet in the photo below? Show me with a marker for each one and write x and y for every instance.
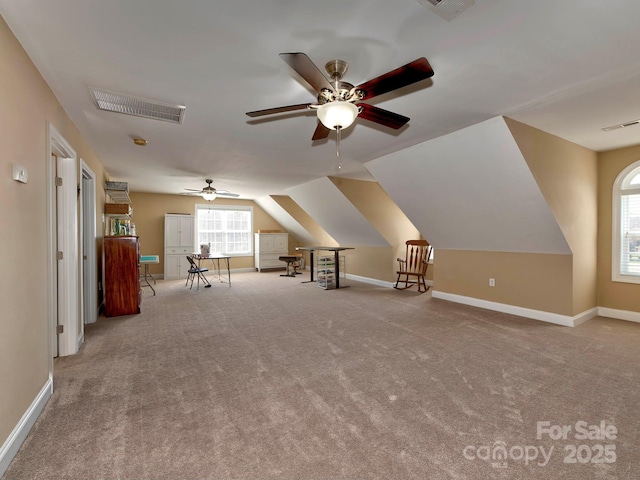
(122, 294)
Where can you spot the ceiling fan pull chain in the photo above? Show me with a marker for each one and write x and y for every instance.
(338, 140)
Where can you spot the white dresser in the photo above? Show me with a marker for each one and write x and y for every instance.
(268, 247)
(179, 232)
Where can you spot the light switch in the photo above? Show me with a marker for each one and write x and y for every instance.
(20, 173)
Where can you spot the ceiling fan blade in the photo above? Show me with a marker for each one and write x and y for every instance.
(381, 116)
(193, 190)
(269, 111)
(321, 132)
(224, 193)
(400, 77)
(307, 70)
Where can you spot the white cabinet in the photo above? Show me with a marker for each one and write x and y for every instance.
(179, 231)
(178, 243)
(268, 247)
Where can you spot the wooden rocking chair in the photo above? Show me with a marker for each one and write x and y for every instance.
(413, 267)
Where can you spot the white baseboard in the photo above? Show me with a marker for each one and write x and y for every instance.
(555, 318)
(372, 281)
(380, 283)
(21, 430)
(619, 314)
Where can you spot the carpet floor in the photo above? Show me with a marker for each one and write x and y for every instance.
(272, 378)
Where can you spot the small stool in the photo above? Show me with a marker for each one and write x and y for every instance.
(292, 261)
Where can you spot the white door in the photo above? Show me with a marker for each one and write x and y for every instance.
(59, 239)
(89, 261)
(172, 266)
(63, 234)
(186, 232)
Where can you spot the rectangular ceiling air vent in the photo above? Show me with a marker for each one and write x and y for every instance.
(621, 125)
(447, 9)
(139, 107)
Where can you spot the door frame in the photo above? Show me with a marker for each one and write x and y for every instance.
(89, 295)
(62, 297)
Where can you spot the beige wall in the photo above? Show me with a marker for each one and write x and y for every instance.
(616, 295)
(148, 215)
(567, 175)
(26, 105)
(535, 281)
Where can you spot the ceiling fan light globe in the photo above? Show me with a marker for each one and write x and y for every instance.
(337, 114)
(209, 196)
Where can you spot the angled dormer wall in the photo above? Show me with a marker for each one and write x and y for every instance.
(485, 209)
(277, 208)
(386, 217)
(372, 262)
(567, 175)
(332, 210)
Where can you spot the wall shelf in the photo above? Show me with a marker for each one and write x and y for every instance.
(116, 192)
(118, 196)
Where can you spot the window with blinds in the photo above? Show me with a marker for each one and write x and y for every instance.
(626, 231)
(226, 229)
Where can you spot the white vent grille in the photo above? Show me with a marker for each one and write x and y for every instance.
(139, 107)
(447, 9)
(621, 125)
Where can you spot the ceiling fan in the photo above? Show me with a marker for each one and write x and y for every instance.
(339, 103)
(209, 193)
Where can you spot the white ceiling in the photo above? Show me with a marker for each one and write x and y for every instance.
(568, 67)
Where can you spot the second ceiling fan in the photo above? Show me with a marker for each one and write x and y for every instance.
(209, 193)
(340, 103)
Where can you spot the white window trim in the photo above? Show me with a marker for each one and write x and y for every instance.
(205, 206)
(618, 186)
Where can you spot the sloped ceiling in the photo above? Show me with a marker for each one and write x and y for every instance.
(328, 206)
(471, 190)
(283, 217)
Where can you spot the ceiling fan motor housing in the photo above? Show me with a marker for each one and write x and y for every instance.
(343, 93)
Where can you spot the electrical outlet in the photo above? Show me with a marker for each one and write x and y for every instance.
(492, 282)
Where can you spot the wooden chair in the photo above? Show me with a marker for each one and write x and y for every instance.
(413, 267)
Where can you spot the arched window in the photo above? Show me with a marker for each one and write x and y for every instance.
(626, 225)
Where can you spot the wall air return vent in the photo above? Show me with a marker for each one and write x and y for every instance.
(447, 9)
(139, 107)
